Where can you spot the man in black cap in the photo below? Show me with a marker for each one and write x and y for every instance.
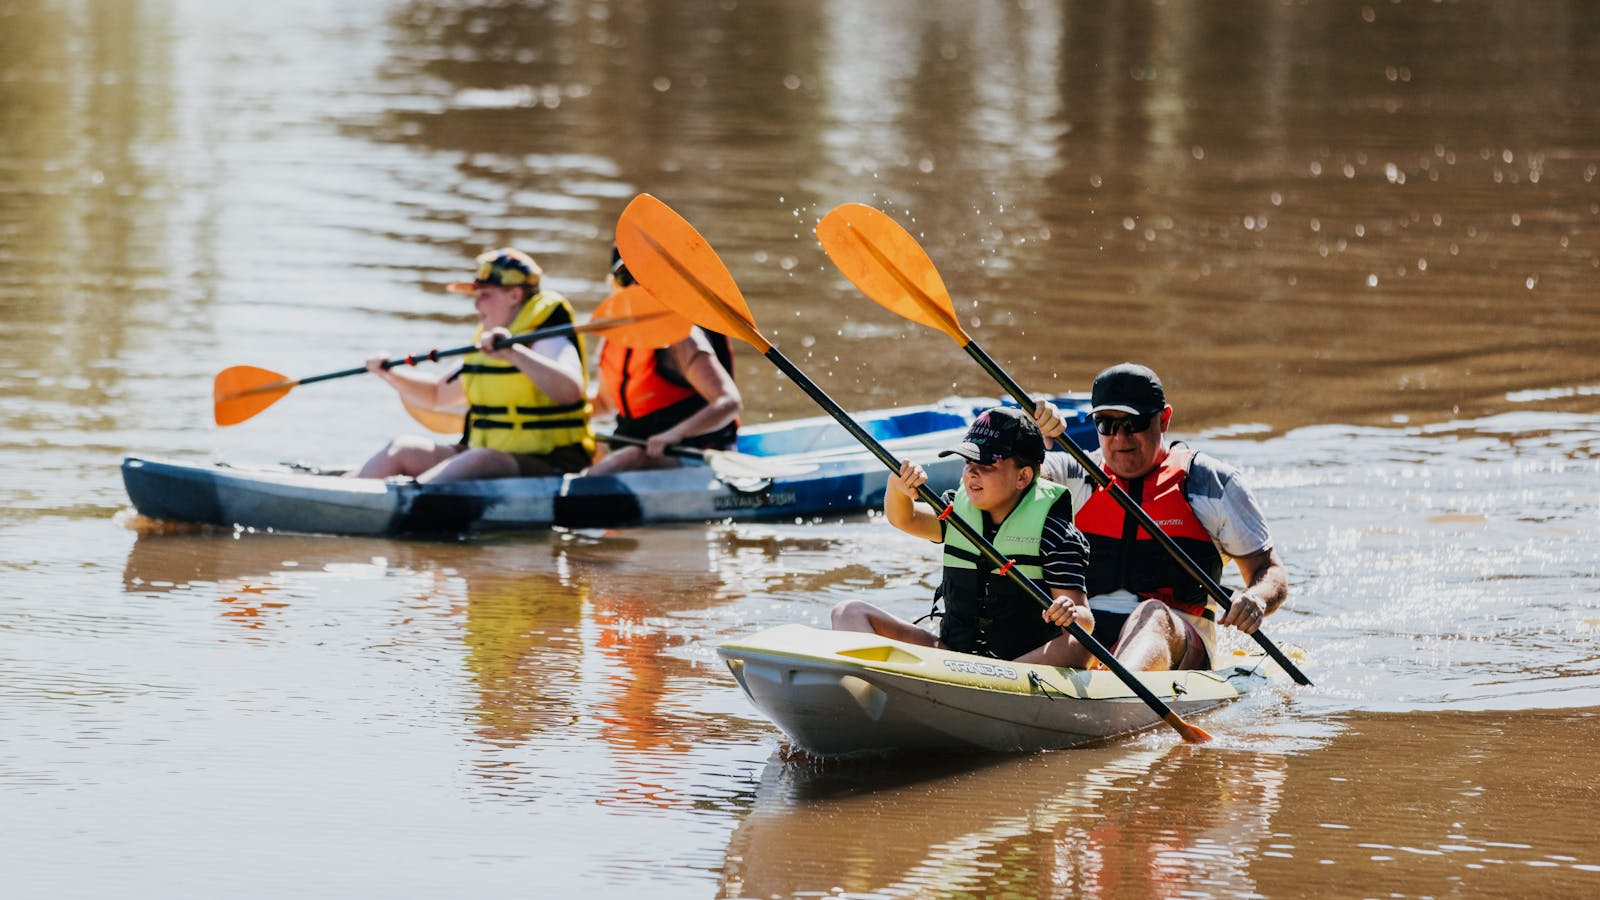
(1152, 612)
(1027, 518)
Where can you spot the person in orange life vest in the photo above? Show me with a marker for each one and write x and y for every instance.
(1146, 606)
(527, 405)
(1027, 518)
(680, 394)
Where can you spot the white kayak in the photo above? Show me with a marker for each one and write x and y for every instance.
(791, 469)
(839, 693)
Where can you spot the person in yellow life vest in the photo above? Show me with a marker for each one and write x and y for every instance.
(1027, 518)
(682, 394)
(527, 405)
(1146, 607)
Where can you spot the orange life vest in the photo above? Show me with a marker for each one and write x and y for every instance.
(650, 397)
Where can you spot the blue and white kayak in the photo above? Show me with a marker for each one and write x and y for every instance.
(842, 693)
(795, 469)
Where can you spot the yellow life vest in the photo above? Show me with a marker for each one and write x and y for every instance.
(508, 411)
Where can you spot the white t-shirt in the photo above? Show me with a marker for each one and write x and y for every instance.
(560, 349)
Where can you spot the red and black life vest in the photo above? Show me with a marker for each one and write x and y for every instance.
(1124, 556)
(650, 397)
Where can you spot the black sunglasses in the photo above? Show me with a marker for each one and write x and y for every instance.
(1108, 425)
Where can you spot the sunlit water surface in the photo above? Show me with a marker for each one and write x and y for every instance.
(1361, 250)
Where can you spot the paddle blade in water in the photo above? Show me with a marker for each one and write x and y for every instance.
(239, 392)
(1190, 732)
(657, 326)
(676, 264)
(439, 421)
(888, 265)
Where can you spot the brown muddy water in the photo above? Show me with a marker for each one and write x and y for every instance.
(1361, 241)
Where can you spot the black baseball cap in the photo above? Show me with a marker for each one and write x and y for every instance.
(999, 433)
(1130, 388)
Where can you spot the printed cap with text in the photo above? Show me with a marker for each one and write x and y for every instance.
(1129, 388)
(506, 267)
(999, 433)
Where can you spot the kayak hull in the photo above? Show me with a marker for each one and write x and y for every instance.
(836, 476)
(846, 693)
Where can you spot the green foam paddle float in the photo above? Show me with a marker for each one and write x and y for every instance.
(890, 266)
(666, 254)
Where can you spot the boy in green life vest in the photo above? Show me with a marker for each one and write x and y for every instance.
(1028, 519)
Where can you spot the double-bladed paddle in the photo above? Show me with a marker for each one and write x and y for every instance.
(630, 316)
(889, 266)
(665, 253)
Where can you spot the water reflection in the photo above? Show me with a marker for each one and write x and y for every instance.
(1261, 814)
(563, 641)
(1095, 152)
(1356, 820)
(1119, 821)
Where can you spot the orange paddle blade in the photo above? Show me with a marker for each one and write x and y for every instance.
(240, 392)
(656, 325)
(666, 255)
(1190, 732)
(439, 421)
(888, 265)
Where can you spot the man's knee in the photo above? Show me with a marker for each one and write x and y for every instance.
(1149, 614)
(1152, 638)
(850, 612)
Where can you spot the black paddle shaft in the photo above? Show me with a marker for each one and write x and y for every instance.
(538, 334)
(671, 450)
(987, 549)
(1101, 479)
